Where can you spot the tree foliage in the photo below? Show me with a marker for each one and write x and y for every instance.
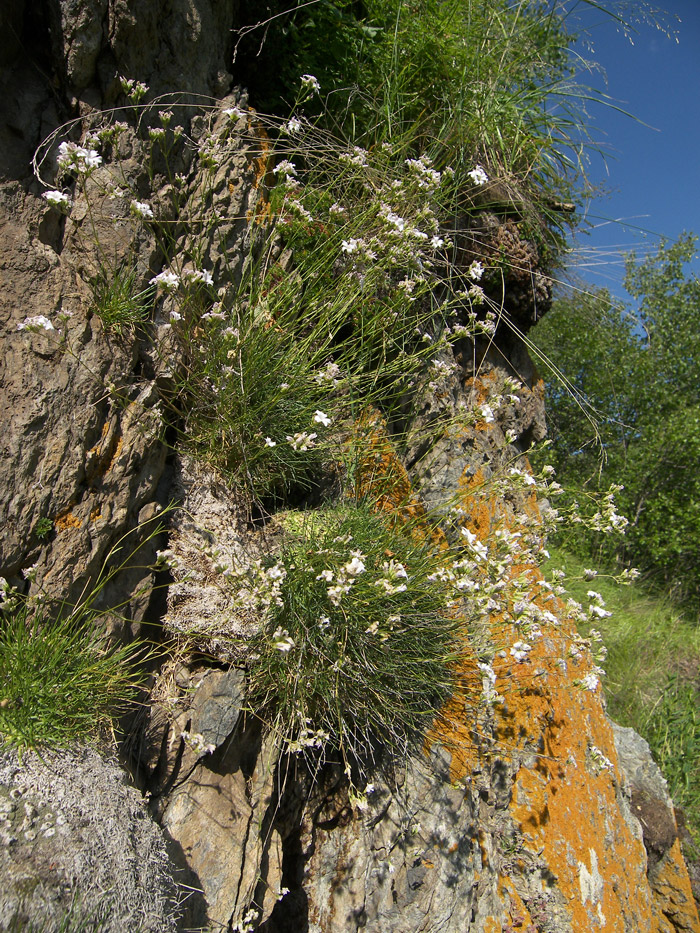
(634, 414)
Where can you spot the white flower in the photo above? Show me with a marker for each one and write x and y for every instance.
(355, 567)
(322, 418)
(57, 199)
(520, 650)
(476, 293)
(436, 242)
(269, 442)
(282, 641)
(330, 374)
(326, 575)
(302, 440)
(285, 168)
(478, 175)
(336, 593)
(167, 280)
(475, 271)
(36, 322)
(527, 478)
(310, 83)
(82, 160)
(590, 681)
(175, 316)
(337, 210)
(234, 112)
(197, 743)
(142, 209)
(485, 413)
(589, 574)
(294, 126)
(349, 246)
(198, 275)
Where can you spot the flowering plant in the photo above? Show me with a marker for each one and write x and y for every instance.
(359, 638)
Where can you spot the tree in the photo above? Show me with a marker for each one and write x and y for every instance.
(631, 410)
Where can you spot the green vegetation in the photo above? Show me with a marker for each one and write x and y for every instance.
(62, 678)
(77, 920)
(359, 637)
(119, 303)
(354, 281)
(60, 681)
(465, 81)
(629, 412)
(43, 527)
(652, 670)
(273, 390)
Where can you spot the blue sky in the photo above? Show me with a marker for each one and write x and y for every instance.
(651, 173)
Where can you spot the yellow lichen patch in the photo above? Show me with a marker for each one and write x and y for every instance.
(456, 726)
(481, 511)
(518, 915)
(675, 910)
(100, 458)
(564, 806)
(381, 480)
(95, 514)
(262, 165)
(66, 520)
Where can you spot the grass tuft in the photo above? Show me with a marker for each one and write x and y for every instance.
(60, 680)
(358, 640)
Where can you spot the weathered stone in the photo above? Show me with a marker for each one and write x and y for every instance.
(651, 805)
(218, 818)
(216, 705)
(511, 817)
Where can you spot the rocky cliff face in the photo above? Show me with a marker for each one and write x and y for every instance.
(525, 808)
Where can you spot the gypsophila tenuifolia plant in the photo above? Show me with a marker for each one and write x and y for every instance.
(497, 82)
(343, 299)
(119, 302)
(346, 302)
(358, 636)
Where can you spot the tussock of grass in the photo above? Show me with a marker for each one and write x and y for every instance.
(359, 636)
(60, 681)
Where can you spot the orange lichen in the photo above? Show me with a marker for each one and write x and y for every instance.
(565, 807)
(381, 480)
(262, 165)
(66, 520)
(565, 803)
(674, 907)
(100, 458)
